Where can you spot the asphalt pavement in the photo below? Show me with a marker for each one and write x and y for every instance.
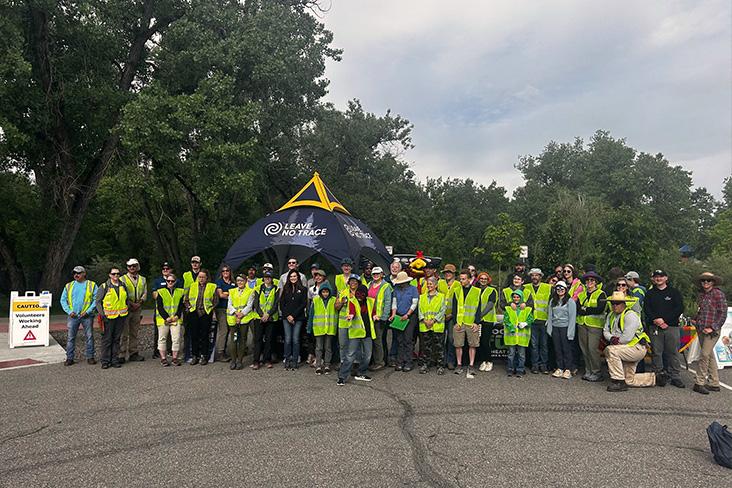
(144, 425)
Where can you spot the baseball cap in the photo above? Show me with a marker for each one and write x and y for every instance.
(348, 261)
(562, 284)
(320, 272)
(377, 270)
(196, 259)
(165, 265)
(79, 269)
(132, 261)
(354, 277)
(315, 266)
(659, 272)
(267, 266)
(632, 275)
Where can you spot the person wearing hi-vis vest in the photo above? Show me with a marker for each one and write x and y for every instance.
(239, 314)
(627, 345)
(136, 287)
(361, 334)
(447, 287)
(322, 324)
(517, 283)
(431, 311)
(200, 300)
(488, 303)
(78, 301)
(590, 321)
(112, 306)
(343, 298)
(267, 303)
(380, 292)
(169, 318)
(466, 300)
(341, 280)
(539, 292)
(517, 322)
(189, 277)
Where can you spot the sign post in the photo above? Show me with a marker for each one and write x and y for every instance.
(29, 319)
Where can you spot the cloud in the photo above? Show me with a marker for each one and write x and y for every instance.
(486, 82)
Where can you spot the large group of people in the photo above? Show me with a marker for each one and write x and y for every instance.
(440, 320)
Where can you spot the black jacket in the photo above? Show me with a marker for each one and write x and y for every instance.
(293, 302)
(667, 304)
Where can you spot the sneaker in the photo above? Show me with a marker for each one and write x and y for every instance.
(340, 382)
(594, 378)
(398, 367)
(509, 373)
(520, 374)
(712, 388)
(116, 365)
(586, 376)
(318, 370)
(440, 371)
(567, 374)
(91, 361)
(406, 369)
(557, 373)
(677, 383)
(701, 389)
(534, 370)
(194, 361)
(232, 365)
(327, 370)
(68, 362)
(482, 366)
(121, 360)
(423, 369)
(458, 370)
(471, 374)
(362, 377)
(488, 366)
(255, 366)
(105, 365)
(204, 361)
(617, 385)
(543, 369)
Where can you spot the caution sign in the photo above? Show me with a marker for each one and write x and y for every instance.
(29, 318)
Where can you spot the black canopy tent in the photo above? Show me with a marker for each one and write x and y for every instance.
(312, 222)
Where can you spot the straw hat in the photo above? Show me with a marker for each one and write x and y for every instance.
(402, 277)
(618, 297)
(709, 276)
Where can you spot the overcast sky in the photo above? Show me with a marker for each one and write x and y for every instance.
(484, 82)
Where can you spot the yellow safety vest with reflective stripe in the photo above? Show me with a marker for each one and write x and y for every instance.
(88, 294)
(379, 304)
(324, 317)
(596, 321)
(266, 301)
(134, 291)
(449, 292)
(208, 294)
(640, 334)
(467, 305)
(485, 297)
(188, 280)
(357, 330)
(343, 323)
(170, 304)
(238, 297)
(514, 336)
(541, 299)
(341, 283)
(114, 302)
(429, 307)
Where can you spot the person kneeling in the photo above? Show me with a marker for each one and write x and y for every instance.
(627, 345)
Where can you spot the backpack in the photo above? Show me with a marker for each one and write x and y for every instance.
(720, 441)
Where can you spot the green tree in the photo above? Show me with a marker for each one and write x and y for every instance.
(502, 241)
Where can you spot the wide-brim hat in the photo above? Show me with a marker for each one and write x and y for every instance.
(709, 276)
(619, 297)
(593, 275)
(449, 268)
(402, 277)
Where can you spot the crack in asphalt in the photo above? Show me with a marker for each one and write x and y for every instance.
(24, 434)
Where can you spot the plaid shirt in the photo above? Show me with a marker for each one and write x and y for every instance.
(712, 309)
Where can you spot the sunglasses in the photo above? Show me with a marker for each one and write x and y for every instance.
(170, 281)
(292, 262)
(623, 284)
(78, 274)
(114, 274)
(707, 281)
(131, 265)
(226, 271)
(567, 271)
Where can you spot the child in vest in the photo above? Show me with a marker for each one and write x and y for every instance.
(322, 323)
(517, 320)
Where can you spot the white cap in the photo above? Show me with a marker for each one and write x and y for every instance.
(79, 269)
(632, 275)
(267, 265)
(377, 269)
(562, 284)
(132, 261)
(196, 259)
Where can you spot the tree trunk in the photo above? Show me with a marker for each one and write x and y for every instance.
(15, 273)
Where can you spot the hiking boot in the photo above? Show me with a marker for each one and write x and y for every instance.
(617, 385)
(594, 378)
(701, 389)
(677, 383)
(711, 388)
(194, 361)
(661, 379)
(204, 361)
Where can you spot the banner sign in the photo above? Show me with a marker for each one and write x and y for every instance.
(29, 318)
(723, 349)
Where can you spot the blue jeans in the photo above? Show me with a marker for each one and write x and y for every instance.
(450, 357)
(343, 343)
(292, 340)
(539, 344)
(357, 348)
(516, 358)
(72, 324)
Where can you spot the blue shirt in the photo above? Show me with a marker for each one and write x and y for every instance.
(224, 286)
(404, 298)
(78, 291)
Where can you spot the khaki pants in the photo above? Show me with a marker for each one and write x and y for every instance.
(589, 342)
(128, 342)
(175, 332)
(622, 360)
(707, 366)
(222, 329)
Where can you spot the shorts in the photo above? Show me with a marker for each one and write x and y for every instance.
(466, 331)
